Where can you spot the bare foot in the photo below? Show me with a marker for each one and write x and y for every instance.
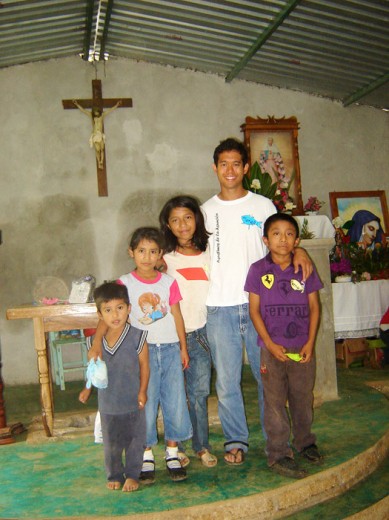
(130, 485)
(114, 486)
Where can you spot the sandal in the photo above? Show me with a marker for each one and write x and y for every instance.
(207, 459)
(175, 470)
(183, 458)
(238, 457)
(147, 475)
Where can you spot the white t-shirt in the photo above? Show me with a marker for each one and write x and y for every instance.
(192, 275)
(150, 305)
(235, 243)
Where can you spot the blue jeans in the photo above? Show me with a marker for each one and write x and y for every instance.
(198, 381)
(166, 388)
(227, 329)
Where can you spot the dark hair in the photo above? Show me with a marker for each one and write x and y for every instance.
(277, 217)
(227, 146)
(152, 234)
(200, 237)
(110, 291)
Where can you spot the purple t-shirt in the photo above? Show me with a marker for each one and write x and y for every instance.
(283, 301)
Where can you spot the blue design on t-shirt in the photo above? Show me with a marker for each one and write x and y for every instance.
(249, 220)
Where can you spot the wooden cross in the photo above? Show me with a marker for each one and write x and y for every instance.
(96, 113)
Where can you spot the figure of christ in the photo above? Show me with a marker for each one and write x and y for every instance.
(97, 138)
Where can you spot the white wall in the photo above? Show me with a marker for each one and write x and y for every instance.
(52, 220)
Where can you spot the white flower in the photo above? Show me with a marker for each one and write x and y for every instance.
(256, 184)
(284, 185)
(338, 222)
(278, 192)
(289, 206)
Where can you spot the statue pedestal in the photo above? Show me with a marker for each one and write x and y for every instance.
(326, 386)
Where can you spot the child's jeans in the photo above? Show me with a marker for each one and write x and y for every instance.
(123, 434)
(166, 388)
(290, 382)
(198, 380)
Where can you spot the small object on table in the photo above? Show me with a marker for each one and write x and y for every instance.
(343, 278)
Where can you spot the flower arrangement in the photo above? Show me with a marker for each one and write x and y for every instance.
(349, 258)
(313, 204)
(262, 184)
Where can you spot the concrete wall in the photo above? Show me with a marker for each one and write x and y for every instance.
(52, 220)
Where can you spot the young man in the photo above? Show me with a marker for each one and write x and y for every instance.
(235, 217)
(285, 312)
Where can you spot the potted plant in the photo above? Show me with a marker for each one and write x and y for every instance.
(261, 183)
(313, 205)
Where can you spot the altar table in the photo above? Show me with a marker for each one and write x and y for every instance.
(359, 307)
(319, 225)
(52, 318)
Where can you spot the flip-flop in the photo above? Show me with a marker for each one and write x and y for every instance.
(239, 453)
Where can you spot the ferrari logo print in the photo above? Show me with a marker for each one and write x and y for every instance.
(268, 280)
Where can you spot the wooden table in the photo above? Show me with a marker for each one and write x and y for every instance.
(51, 318)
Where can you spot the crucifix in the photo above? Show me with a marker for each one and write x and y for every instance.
(97, 115)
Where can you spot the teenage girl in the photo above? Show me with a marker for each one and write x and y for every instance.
(187, 260)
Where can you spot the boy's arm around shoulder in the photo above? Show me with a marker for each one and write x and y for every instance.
(144, 375)
(301, 258)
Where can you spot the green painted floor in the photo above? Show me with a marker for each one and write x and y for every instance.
(66, 477)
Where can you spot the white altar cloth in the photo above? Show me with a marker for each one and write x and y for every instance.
(319, 225)
(359, 307)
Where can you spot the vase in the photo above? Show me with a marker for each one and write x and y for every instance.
(311, 213)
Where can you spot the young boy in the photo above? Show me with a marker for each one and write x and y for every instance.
(285, 312)
(122, 403)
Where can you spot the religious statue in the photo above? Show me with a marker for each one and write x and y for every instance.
(97, 138)
(270, 161)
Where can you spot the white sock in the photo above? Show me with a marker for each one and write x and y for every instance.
(148, 455)
(172, 453)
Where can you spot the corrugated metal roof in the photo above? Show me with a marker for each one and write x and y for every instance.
(333, 48)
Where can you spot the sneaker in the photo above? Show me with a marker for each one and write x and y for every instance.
(147, 475)
(287, 467)
(312, 454)
(175, 470)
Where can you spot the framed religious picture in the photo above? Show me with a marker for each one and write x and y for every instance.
(364, 212)
(272, 146)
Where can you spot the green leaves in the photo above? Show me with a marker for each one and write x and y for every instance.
(260, 183)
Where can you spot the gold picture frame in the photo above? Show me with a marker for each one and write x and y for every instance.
(345, 204)
(273, 144)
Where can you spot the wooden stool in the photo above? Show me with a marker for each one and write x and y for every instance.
(350, 350)
(57, 341)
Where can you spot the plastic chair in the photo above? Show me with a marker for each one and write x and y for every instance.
(57, 341)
